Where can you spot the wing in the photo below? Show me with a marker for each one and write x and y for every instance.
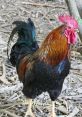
(25, 64)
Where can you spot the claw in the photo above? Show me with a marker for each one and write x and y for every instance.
(29, 113)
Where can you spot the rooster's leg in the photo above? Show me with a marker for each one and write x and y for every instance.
(29, 110)
(53, 109)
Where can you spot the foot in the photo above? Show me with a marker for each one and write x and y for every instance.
(29, 110)
(53, 115)
(29, 113)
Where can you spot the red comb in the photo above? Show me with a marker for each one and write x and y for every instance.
(69, 20)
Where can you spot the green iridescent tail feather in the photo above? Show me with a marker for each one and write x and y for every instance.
(26, 41)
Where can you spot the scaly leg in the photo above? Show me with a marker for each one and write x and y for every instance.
(53, 111)
(29, 110)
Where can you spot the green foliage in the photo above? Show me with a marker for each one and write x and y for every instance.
(79, 20)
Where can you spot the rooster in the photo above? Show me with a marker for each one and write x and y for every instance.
(44, 68)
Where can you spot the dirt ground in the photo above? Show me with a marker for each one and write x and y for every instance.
(44, 14)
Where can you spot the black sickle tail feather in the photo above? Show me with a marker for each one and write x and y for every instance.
(26, 42)
(10, 39)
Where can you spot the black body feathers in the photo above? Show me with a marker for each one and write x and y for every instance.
(43, 77)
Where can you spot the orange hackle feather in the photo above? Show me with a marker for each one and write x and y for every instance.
(55, 46)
